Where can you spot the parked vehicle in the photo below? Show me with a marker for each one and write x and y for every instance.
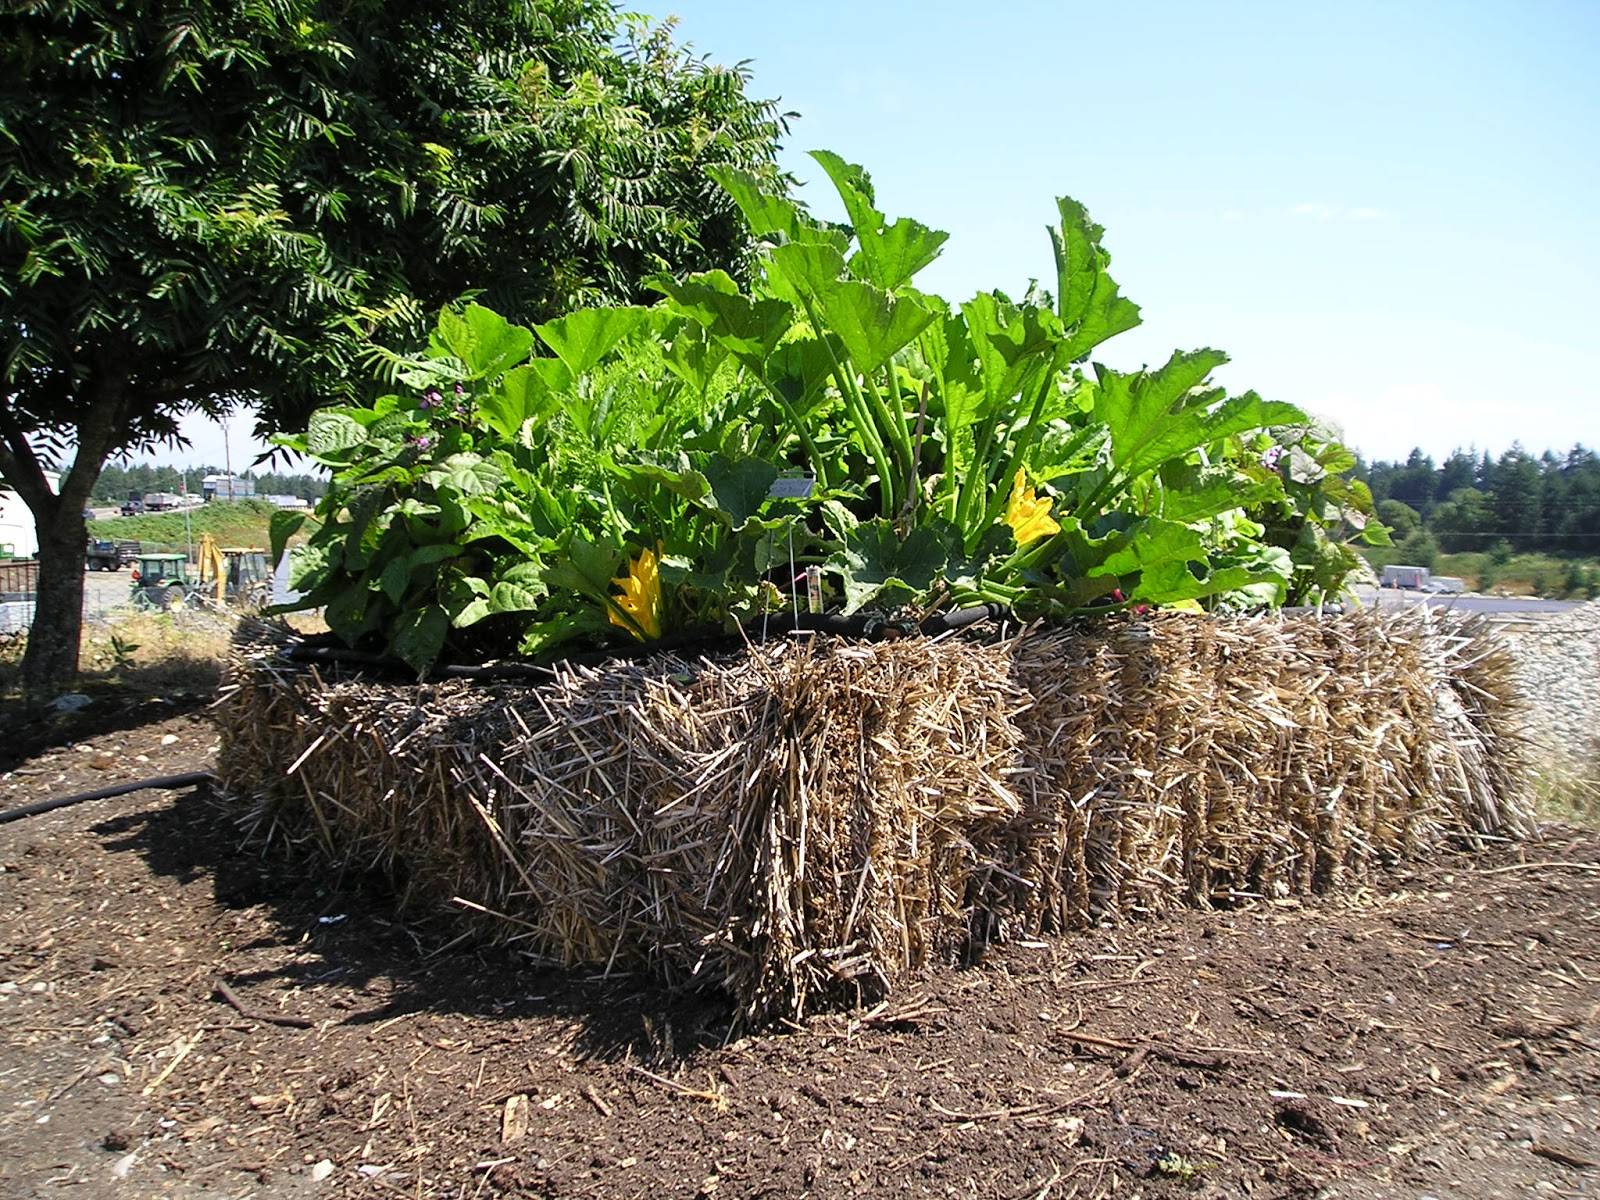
(1445, 585)
(236, 575)
(110, 555)
(161, 581)
(133, 506)
(1415, 578)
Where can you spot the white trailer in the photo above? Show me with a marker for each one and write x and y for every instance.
(1399, 576)
(18, 538)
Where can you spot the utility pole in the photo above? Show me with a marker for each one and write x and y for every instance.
(188, 534)
(227, 454)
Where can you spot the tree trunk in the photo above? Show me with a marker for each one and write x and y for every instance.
(51, 659)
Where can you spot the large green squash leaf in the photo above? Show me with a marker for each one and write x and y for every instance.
(873, 324)
(1152, 420)
(739, 487)
(1091, 307)
(584, 337)
(486, 343)
(888, 255)
(749, 328)
(875, 562)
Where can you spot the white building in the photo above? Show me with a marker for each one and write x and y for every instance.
(227, 487)
(18, 538)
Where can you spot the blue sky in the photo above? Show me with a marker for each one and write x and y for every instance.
(1386, 213)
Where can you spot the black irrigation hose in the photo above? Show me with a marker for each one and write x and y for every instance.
(870, 626)
(160, 782)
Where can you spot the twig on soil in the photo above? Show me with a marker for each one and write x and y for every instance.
(1566, 1158)
(712, 1097)
(1205, 1057)
(71, 1083)
(593, 1097)
(181, 1053)
(238, 1005)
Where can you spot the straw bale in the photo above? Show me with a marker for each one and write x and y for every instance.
(802, 824)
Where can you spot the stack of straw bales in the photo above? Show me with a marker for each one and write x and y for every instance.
(802, 824)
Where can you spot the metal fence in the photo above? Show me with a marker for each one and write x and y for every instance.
(105, 594)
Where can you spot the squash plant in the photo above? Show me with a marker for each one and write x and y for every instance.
(647, 473)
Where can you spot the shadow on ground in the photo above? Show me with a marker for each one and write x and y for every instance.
(343, 928)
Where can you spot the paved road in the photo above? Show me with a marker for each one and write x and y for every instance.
(1391, 597)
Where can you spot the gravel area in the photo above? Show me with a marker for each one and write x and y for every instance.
(1561, 676)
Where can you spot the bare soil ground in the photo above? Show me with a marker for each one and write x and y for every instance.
(180, 1016)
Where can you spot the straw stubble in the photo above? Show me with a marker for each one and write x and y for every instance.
(804, 824)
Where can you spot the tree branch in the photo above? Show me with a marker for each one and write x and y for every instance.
(20, 467)
(105, 395)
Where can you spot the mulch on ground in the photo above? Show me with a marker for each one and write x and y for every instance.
(181, 1016)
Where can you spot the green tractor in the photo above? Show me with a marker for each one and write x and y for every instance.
(161, 581)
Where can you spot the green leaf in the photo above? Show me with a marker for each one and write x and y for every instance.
(530, 392)
(582, 338)
(872, 324)
(419, 637)
(893, 256)
(283, 526)
(1068, 450)
(739, 487)
(519, 588)
(1010, 342)
(467, 475)
(485, 342)
(588, 569)
(855, 190)
(395, 580)
(1090, 306)
(1150, 543)
(799, 370)
(874, 560)
(763, 211)
(803, 271)
(749, 328)
(1153, 421)
(670, 470)
(693, 357)
(1209, 495)
(1171, 582)
(332, 431)
(547, 635)
(889, 255)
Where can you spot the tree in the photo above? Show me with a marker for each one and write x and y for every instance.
(1414, 483)
(1517, 496)
(1400, 517)
(1465, 521)
(209, 204)
(1457, 471)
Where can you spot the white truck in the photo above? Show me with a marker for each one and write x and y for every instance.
(1398, 576)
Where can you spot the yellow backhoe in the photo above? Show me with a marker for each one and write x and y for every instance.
(234, 574)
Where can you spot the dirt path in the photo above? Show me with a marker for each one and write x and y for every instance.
(1438, 1036)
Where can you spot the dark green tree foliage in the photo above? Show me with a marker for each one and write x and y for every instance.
(1549, 503)
(117, 482)
(205, 204)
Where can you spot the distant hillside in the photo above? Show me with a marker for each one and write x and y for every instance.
(231, 522)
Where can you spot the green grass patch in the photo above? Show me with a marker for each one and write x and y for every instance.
(231, 522)
(1570, 794)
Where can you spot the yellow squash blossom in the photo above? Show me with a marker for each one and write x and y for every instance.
(1028, 516)
(641, 597)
